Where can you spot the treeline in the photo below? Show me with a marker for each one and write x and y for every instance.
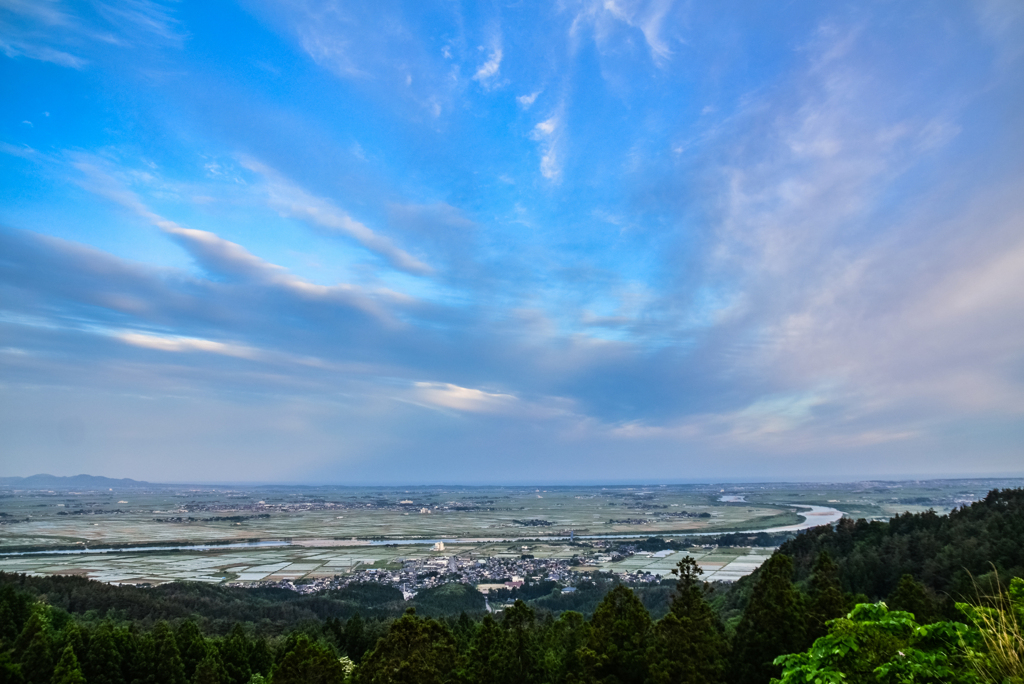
(619, 644)
(267, 611)
(43, 644)
(271, 611)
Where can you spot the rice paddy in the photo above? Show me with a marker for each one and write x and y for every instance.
(327, 531)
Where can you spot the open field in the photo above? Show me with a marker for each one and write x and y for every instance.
(182, 515)
(329, 531)
(294, 563)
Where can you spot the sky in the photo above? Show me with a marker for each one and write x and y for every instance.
(385, 242)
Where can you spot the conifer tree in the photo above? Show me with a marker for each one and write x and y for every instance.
(308, 662)
(15, 609)
(10, 670)
(464, 630)
(210, 670)
(518, 657)
(191, 646)
(560, 646)
(167, 667)
(8, 626)
(260, 658)
(912, 597)
(617, 650)
(772, 625)
(143, 665)
(36, 623)
(102, 664)
(37, 659)
(355, 638)
(484, 652)
(134, 649)
(71, 634)
(690, 643)
(68, 670)
(234, 653)
(334, 629)
(827, 600)
(414, 651)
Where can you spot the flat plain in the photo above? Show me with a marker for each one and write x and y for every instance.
(300, 533)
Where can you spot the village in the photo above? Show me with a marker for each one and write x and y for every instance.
(485, 574)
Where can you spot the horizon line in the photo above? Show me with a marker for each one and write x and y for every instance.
(526, 483)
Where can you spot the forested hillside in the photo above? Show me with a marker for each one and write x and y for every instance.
(65, 630)
(948, 554)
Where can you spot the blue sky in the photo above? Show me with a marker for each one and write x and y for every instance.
(528, 242)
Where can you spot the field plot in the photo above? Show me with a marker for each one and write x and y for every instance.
(720, 564)
(136, 568)
(296, 564)
(326, 531)
(188, 516)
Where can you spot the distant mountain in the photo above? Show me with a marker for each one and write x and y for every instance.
(43, 481)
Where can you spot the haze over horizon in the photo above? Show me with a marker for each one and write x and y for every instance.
(40, 480)
(401, 243)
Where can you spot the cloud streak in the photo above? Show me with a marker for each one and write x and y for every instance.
(294, 201)
(549, 134)
(225, 258)
(489, 70)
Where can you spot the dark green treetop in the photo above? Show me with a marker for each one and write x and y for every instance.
(617, 651)
(689, 642)
(827, 600)
(912, 596)
(102, 665)
(68, 671)
(210, 670)
(414, 651)
(308, 662)
(772, 625)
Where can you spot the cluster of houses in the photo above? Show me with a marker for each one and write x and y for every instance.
(484, 573)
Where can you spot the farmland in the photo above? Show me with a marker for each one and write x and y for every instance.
(296, 534)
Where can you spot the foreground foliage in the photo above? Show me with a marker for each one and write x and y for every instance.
(874, 644)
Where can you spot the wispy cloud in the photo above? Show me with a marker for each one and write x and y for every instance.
(605, 17)
(489, 70)
(379, 50)
(42, 53)
(464, 398)
(177, 343)
(226, 258)
(526, 101)
(294, 201)
(150, 18)
(48, 31)
(549, 134)
(830, 298)
(330, 50)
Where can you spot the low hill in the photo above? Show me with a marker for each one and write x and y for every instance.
(44, 481)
